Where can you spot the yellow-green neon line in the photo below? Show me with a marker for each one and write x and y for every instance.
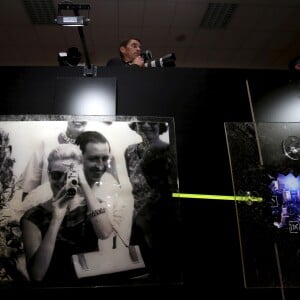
(218, 197)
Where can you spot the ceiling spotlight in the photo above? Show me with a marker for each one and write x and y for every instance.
(70, 58)
(72, 17)
(72, 20)
(76, 20)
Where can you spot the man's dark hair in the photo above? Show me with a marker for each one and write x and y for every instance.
(125, 43)
(163, 127)
(90, 137)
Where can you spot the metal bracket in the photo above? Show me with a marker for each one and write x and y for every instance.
(90, 72)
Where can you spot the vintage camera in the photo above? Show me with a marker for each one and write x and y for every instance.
(166, 61)
(71, 182)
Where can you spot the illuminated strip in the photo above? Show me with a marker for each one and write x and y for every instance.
(218, 197)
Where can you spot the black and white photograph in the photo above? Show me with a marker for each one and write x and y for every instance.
(87, 200)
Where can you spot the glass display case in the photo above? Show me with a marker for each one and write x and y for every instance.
(264, 160)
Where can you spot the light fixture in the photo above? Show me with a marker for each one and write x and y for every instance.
(218, 15)
(77, 20)
(70, 58)
(72, 20)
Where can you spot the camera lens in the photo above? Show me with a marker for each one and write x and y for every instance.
(71, 192)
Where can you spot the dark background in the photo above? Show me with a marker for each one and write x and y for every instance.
(200, 100)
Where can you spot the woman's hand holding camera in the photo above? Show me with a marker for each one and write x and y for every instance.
(60, 204)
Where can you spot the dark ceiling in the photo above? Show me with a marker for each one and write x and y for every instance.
(256, 34)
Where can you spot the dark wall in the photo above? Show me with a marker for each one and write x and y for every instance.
(200, 100)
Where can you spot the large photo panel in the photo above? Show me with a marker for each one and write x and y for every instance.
(87, 200)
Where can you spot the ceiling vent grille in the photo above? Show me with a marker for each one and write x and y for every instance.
(218, 15)
(40, 11)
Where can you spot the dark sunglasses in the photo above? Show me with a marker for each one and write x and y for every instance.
(56, 175)
(152, 124)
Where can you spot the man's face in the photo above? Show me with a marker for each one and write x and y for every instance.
(131, 50)
(96, 159)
